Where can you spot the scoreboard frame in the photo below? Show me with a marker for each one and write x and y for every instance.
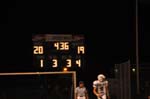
(62, 50)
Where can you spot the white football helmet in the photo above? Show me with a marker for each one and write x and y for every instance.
(100, 76)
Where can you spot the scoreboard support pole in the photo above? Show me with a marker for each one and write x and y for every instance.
(42, 73)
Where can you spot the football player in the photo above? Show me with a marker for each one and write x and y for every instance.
(100, 87)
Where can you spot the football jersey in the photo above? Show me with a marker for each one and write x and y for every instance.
(81, 91)
(100, 86)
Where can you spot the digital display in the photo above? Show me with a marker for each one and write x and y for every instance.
(56, 51)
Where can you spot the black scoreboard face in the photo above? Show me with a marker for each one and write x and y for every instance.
(58, 51)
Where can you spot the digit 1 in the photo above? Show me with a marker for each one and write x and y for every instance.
(41, 63)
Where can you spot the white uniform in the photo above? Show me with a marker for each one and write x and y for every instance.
(101, 88)
(81, 93)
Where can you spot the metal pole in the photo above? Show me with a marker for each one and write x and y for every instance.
(137, 50)
(74, 77)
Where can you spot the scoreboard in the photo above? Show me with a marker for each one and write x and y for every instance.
(58, 51)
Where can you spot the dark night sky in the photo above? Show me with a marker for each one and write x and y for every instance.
(108, 28)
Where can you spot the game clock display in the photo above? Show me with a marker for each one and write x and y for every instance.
(58, 51)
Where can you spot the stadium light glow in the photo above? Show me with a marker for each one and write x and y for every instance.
(65, 69)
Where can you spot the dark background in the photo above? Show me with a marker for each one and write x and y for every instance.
(108, 28)
(108, 25)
